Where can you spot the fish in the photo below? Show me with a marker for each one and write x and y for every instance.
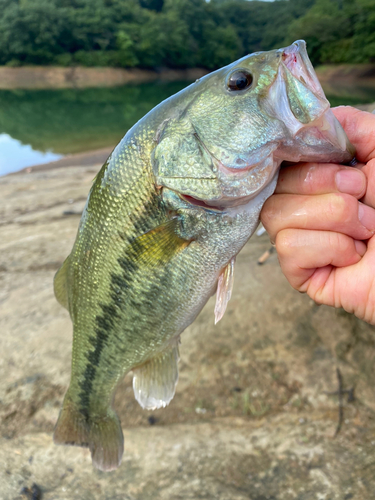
(165, 218)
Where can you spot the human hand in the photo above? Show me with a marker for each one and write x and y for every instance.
(323, 235)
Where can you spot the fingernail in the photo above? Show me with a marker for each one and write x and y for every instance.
(361, 247)
(366, 215)
(350, 181)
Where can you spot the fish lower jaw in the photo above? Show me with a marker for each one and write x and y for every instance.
(323, 140)
(238, 187)
(226, 203)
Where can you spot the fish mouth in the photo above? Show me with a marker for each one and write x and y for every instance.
(296, 60)
(297, 99)
(201, 203)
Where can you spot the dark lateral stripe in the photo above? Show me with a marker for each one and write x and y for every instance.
(119, 289)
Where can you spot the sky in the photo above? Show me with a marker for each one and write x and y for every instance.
(14, 155)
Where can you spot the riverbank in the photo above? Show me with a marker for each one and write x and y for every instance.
(87, 158)
(347, 72)
(54, 77)
(254, 414)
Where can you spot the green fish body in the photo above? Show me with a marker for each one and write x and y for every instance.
(166, 216)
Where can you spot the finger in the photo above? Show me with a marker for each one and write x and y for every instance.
(360, 129)
(321, 178)
(369, 171)
(302, 252)
(326, 212)
(351, 287)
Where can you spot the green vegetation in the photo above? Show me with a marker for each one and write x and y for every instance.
(180, 33)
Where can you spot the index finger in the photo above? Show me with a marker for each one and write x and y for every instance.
(360, 129)
(321, 178)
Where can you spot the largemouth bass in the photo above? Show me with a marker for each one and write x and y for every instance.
(165, 218)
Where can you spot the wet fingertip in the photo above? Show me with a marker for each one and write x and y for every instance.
(361, 247)
(351, 181)
(366, 216)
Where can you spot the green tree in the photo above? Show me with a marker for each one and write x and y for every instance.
(181, 33)
(33, 32)
(328, 28)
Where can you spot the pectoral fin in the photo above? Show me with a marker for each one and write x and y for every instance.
(159, 245)
(154, 383)
(224, 289)
(60, 284)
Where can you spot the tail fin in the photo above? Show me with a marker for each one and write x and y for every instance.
(106, 442)
(102, 435)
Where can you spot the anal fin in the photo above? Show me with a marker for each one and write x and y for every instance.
(154, 383)
(224, 289)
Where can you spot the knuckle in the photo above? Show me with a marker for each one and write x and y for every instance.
(286, 241)
(333, 239)
(269, 212)
(342, 243)
(340, 207)
(307, 178)
(317, 297)
(317, 178)
(346, 245)
(370, 191)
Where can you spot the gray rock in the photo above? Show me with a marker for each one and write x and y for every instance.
(251, 418)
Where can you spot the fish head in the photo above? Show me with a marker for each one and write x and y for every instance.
(230, 131)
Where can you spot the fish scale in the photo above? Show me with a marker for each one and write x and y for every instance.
(167, 214)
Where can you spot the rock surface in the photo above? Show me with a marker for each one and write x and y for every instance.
(251, 418)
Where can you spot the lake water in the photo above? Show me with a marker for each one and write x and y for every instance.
(42, 126)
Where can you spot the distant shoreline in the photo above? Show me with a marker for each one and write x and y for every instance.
(84, 159)
(56, 77)
(365, 73)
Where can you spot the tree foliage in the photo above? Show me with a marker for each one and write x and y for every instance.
(338, 31)
(180, 33)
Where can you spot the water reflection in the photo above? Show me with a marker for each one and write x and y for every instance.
(14, 155)
(71, 121)
(40, 126)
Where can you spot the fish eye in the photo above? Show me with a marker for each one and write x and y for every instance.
(239, 80)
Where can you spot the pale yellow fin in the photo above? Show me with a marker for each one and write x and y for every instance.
(159, 245)
(102, 435)
(224, 289)
(154, 383)
(60, 284)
